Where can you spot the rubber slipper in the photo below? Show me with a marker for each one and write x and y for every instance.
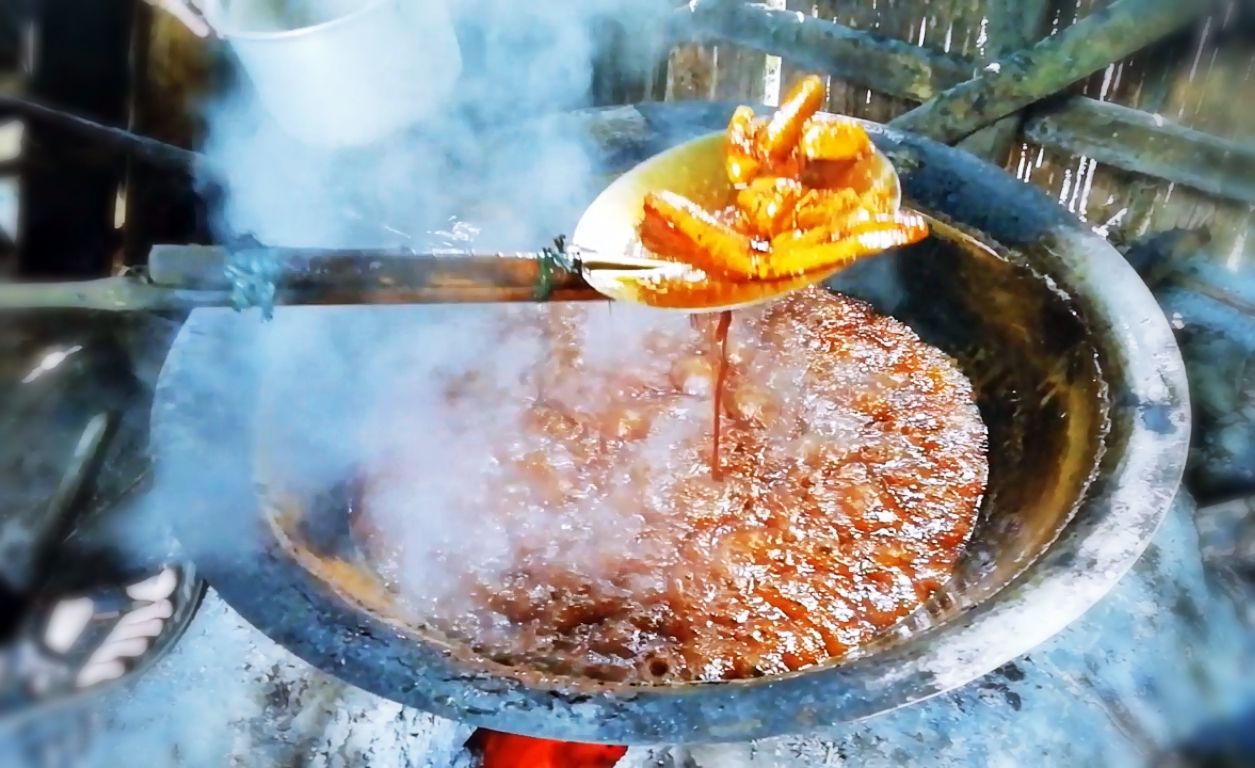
(82, 641)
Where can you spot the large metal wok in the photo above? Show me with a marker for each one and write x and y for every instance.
(1079, 380)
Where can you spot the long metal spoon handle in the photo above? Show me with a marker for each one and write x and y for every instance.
(186, 277)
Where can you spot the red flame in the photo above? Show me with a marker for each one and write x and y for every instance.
(506, 750)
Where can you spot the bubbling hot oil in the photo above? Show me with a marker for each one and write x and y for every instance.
(566, 498)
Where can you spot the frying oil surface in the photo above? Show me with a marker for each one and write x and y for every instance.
(851, 469)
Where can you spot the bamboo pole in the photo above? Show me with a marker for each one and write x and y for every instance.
(868, 60)
(1046, 68)
(207, 267)
(883, 64)
(1071, 124)
(1011, 25)
(110, 294)
(1136, 141)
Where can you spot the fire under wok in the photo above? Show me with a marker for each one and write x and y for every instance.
(1075, 372)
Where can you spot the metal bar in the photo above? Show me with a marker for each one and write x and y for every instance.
(206, 267)
(1046, 68)
(142, 147)
(69, 495)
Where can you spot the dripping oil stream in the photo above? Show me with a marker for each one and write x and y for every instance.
(721, 338)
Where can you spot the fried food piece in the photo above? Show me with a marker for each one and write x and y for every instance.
(834, 140)
(767, 205)
(871, 176)
(744, 158)
(741, 158)
(812, 196)
(876, 182)
(772, 208)
(873, 234)
(796, 238)
(826, 208)
(660, 235)
(780, 137)
(698, 239)
(678, 229)
(693, 290)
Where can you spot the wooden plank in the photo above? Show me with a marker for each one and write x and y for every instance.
(889, 19)
(790, 71)
(739, 74)
(1142, 82)
(627, 54)
(172, 71)
(691, 73)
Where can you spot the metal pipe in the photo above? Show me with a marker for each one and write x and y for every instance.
(182, 278)
(142, 147)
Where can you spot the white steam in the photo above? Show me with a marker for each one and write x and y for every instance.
(474, 156)
(347, 389)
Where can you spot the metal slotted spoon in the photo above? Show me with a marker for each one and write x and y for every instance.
(695, 170)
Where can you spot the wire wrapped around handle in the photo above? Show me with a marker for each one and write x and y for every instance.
(554, 261)
(254, 281)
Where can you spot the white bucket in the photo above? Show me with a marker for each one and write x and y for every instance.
(343, 72)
